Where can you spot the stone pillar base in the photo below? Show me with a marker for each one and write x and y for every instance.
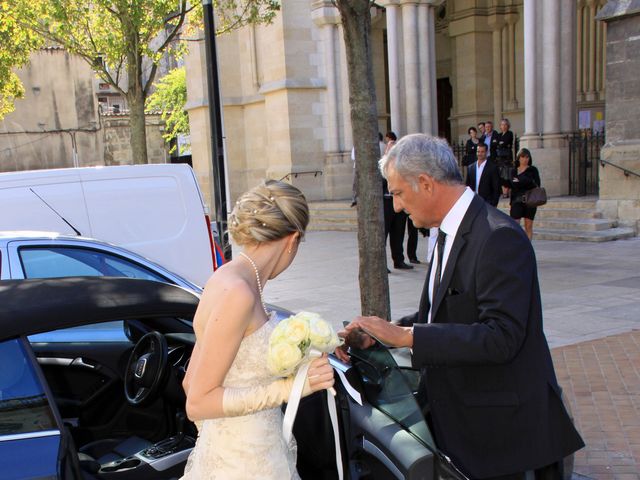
(551, 157)
(620, 194)
(530, 141)
(338, 176)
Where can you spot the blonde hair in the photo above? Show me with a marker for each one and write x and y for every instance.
(269, 211)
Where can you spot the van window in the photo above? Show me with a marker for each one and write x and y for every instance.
(24, 407)
(54, 262)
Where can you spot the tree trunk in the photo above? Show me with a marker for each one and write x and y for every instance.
(374, 283)
(136, 99)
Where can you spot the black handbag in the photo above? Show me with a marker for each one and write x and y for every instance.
(535, 197)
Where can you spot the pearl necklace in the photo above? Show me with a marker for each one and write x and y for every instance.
(255, 269)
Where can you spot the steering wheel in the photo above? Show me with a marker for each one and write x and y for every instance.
(146, 369)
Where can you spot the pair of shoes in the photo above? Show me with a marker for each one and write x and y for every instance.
(403, 266)
(415, 260)
(354, 203)
(388, 271)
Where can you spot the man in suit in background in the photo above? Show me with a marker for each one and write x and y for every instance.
(490, 139)
(488, 379)
(483, 177)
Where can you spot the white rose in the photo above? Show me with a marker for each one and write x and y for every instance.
(283, 358)
(297, 330)
(321, 334)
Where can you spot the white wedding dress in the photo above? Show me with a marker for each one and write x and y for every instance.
(249, 446)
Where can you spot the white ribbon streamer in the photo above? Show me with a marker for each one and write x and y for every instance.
(294, 402)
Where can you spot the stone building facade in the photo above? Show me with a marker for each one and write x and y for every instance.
(58, 123)
(440, 66)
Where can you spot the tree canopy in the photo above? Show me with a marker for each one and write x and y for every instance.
(16, 44)
(124, 40)
(169, 98)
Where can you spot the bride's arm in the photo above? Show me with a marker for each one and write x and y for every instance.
(229, 306)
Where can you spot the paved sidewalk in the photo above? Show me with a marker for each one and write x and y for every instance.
(591, 302)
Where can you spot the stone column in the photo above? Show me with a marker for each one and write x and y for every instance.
(347, 129)
(568, 66)
(327, 19)
(591, 91)
(496, 25)
(619, 193)
(511, 62)
(411, 78)
(426, 64)
(531, 125)
(579, 27)
(434, 79)
(394, 67)
(551, 70)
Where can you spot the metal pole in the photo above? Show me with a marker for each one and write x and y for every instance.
(215, 120)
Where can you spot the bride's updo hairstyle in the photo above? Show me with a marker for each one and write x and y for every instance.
(270, 211)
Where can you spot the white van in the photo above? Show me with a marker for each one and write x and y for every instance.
(156, 211)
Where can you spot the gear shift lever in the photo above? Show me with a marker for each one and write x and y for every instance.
(173, 443)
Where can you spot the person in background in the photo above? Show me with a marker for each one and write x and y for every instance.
(470, 147)
(490, 139)
(526, 177)
(504, 155)
(488, 384)
(394, 222)
(480, 129)
(483, 177)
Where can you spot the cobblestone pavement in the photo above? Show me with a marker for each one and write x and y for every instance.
(591, 302)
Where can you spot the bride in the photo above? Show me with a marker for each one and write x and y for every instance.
(231, 395)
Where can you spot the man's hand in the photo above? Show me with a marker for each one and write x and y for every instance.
(388, 333)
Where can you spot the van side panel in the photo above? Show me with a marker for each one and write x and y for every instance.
(159, 216)
(22, 209)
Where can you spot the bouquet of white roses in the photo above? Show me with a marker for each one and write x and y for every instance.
(293, 339)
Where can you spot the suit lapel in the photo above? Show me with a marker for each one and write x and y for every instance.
(458, 245)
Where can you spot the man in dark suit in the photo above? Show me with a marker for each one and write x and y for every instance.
(488, 378)
(490, 139)
(483, 177)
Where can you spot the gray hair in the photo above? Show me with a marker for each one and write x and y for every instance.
(422, 154)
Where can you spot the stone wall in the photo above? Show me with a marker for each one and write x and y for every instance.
(59, 109)
(115, 136)
(620, 193)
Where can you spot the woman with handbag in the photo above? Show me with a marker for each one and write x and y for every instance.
(504, 155)
(525, 178)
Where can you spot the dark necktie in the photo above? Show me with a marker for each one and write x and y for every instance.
(436, 278)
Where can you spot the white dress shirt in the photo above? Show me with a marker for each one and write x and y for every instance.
(479, 170)
(449, 226)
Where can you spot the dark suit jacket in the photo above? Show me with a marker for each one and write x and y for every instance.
(490, 382)
(489, 187)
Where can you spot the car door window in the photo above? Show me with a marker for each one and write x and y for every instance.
(389, 389)
(24, 407)
(55, 262)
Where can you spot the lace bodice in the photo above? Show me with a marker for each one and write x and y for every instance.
(249, 446)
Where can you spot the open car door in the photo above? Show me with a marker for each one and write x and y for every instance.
(385, 434)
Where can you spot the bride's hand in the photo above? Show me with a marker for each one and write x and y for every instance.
(319, 376)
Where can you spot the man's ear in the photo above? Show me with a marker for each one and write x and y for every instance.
(425, 183)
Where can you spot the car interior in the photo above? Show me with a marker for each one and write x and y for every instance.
(123, 409)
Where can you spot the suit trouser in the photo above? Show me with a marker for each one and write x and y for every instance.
(412, 240)
(394, 227)
(550, 472)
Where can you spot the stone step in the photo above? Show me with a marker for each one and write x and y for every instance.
(336, 218)
(583, 236)
(553, 212)
(575, 224)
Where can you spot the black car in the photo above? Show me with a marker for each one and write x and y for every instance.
(113, 408)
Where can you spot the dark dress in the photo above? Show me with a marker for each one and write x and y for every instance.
(504, 155)
(470, 153)
(528, 179)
